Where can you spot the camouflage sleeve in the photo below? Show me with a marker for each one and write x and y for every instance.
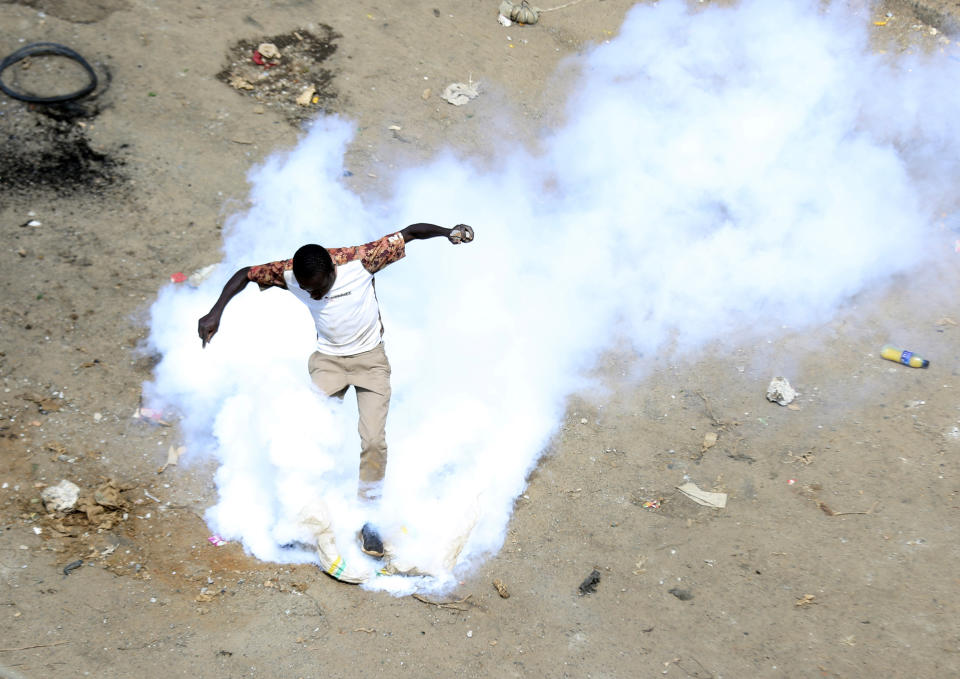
(271, 274)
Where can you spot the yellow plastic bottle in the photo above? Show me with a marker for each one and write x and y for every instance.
(891, 353)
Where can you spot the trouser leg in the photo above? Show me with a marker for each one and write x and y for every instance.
(372, 382)
(369, 373)
(329, 374)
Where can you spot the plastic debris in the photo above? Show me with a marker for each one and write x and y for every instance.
(780, 391)
(238, 83)
(150, 415)
(459, 94)
(178, 277)
(504, 21)
(703, 497)
(897, 355)
(61, 497)
(173, 456)
(200, 275)
(651, 504)
(72, 566)
(306, 97)
(589, 585)
(216, 540)
(268, 50)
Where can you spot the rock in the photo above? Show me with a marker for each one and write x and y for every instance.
(682, 594)
(61, 497)
(780, 391)
(459, 94)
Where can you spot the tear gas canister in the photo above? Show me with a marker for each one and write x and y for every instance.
(892, 353)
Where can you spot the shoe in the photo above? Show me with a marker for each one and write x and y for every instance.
(370, 542)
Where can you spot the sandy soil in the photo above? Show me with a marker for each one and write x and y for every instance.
(836, 555)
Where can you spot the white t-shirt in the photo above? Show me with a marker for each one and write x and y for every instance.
(347, 317)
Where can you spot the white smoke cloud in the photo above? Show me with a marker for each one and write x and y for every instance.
(729, 169)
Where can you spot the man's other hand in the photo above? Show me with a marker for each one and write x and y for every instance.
(208, 326)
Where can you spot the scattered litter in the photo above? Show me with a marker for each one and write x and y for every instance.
(216, 540)
(682, 594)
(33, 222)
(892, 353)
(709, 441)
(200, 275)
(589, 586)
(268, 50)
(72, 566)
(790, 482)
(703, 497)
(150, 415)
(780, 391)
(804, 601)
(946, 320)
(61, 497)
(239, 83)
(501, 589)
(651, 504)
(306, 97)
(504, 21)
(459, 94)
(173, 456)
(178, 277)
(522, 13)
(273, 70)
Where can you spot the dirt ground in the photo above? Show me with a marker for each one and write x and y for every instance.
(835, 556)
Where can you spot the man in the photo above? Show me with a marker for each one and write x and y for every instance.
(337, 285)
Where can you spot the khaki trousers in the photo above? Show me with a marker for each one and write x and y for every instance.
(369, 374)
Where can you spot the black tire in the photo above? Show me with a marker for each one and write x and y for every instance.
(43, 48)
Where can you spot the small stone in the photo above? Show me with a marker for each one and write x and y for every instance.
(682, 594)
(61, 497)
(780, 391)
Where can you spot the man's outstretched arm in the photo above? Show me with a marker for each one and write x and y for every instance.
(209, 324)
(461, 233)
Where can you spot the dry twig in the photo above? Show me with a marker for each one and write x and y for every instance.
(26, 648)
(454, 605)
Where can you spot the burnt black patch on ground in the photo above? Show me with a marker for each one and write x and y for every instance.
(279, 82)
(49, 151)
(46, 149)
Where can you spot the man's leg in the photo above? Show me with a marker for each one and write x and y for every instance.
(329, 374)
(371, 379)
